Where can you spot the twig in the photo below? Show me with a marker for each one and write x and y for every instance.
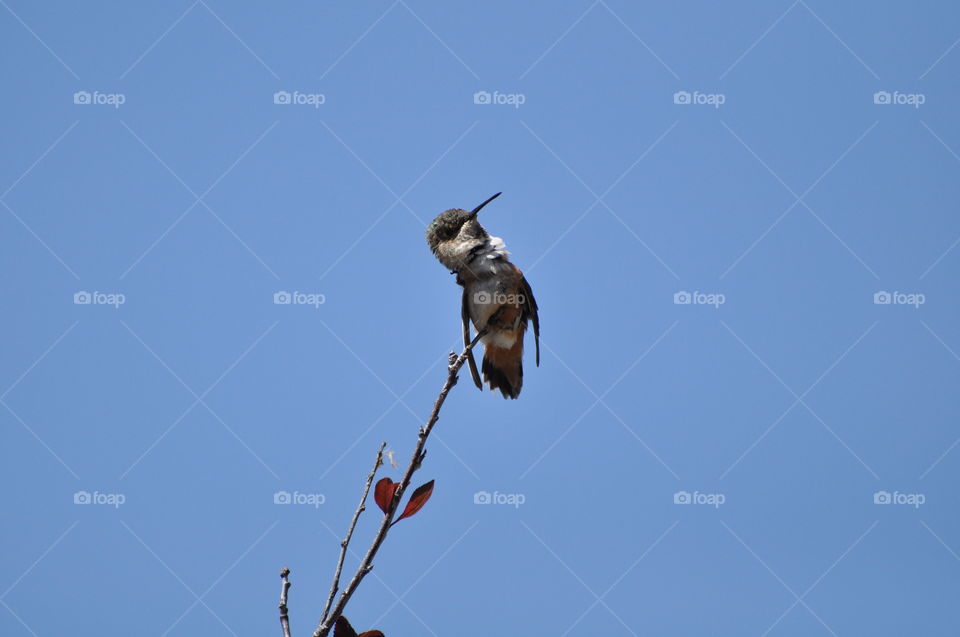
(335, 586)
(366, 565)
(284, 587)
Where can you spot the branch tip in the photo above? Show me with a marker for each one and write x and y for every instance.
(332, 612)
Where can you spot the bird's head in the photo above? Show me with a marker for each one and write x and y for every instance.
(455, 226)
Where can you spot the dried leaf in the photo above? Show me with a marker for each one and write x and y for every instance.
(417, 500)
(393, 463)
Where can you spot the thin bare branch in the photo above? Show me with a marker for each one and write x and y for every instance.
(284, 587)
(335, 586)
(366, 565)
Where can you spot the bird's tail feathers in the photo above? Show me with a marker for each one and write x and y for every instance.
(503, 368)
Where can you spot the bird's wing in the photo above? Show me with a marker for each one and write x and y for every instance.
(465, 317)
(530, 311)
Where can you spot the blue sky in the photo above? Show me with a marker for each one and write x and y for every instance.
(740, 225)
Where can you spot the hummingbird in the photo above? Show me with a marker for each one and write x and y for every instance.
(496, 297)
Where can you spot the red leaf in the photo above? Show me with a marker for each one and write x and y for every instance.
(417, 500)
(343, 628)
(383, 493)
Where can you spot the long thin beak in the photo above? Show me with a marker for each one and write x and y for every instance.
(473, 213)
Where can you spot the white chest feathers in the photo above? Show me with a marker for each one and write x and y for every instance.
(489, 256)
